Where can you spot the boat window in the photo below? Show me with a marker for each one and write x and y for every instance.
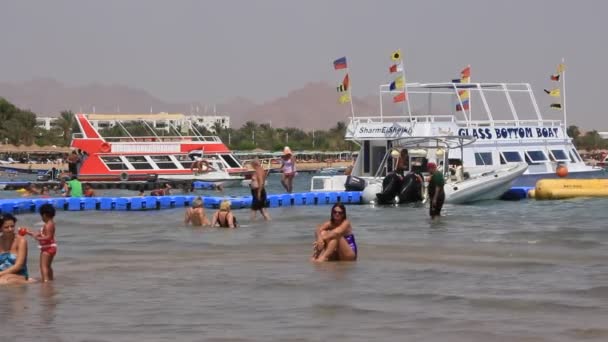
(558, 155)
(139, 162)
(535, 157)
(578, 156)
(230, 160)
(164, 162)
(483, 158)
(510, 157)
(114, 163)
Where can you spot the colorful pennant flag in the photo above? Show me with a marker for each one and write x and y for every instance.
(340, 63)
(344, 85)
(555, 77)
(466, 72)
(396, 56)
(465, 106)
(464, 94)
(556, 106)
(561, 67)
(466, 79)
(396, 68)
(399, 83)
(554, 92)
(344, 98)
(400, 97)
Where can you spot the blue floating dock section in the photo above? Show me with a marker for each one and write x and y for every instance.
(203, 185)
(517, 193)
(28, 205)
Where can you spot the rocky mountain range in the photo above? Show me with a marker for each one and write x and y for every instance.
(314, 106)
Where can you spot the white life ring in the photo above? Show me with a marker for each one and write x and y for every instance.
(124, 176)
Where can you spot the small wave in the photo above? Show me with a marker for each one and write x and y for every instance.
(595, 292)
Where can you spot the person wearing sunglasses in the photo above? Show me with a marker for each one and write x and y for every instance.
(335, 240)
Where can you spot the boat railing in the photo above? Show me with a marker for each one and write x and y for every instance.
(514, 123)
(139, 139)
(451, 118)
(417, 118)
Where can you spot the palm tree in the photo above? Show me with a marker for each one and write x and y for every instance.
(66, 122)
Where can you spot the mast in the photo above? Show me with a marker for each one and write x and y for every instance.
(562, 68)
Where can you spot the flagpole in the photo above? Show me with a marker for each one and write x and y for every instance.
(407, 97)
(563, 75)
(350, 95)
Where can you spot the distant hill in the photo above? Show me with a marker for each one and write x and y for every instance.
(312, 106)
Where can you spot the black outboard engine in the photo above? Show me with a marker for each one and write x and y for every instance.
(354, 184)
(411, 189)
(391, 185)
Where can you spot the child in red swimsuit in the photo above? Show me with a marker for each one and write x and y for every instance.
(46, 241)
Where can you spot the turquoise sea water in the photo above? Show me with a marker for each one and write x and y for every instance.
(499, 271)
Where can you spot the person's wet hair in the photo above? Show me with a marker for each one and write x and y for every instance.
(7, 217)
(47, 209)
(340, 206)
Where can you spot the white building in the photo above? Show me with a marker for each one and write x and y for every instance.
(159, 121)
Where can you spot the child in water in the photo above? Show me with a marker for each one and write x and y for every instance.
(46, 241)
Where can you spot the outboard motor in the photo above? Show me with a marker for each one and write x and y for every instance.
(391, 185)
(354, 184)
(411, 189)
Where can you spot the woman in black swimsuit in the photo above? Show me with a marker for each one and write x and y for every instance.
(223, 217)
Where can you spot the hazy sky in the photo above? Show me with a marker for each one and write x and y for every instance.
(211, 51)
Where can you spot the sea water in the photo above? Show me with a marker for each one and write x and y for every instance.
(494, 271)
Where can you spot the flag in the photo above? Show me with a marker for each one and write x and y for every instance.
(346, 82)
(464, 94)
(344, 98)
(400, 97)
(465, 106)
(399, 83)
(396, 68)
(465, 79)
(556, 105)
(396, 56)
(466, 72)
(344, 85)
(555, 77)
(561, 67)
(340, 63)
(554, 92)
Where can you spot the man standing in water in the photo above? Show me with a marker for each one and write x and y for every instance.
(258, 191)
(436, 193)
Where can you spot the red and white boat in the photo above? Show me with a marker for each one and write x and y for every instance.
(142, 158)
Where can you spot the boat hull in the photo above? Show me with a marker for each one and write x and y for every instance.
(487, 186)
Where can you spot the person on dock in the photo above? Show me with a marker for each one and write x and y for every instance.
(403, 162)
(196, 214)
(13, 253)
(73, 161)
(164, 191)
(258, 191)
(224, 217)
(46, 241)
(334, 239)
(435, 190)
(74, 187)
(88, 190)
(288, 167)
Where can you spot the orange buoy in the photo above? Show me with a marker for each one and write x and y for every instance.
(561, 171)
(105, 147)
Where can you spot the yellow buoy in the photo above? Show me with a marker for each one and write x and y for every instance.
(570, 188)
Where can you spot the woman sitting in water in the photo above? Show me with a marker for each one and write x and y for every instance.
(13, 253)
(196, 214)
(223, 217)
(335, 240)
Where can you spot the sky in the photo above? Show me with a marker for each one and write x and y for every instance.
(212, 51)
